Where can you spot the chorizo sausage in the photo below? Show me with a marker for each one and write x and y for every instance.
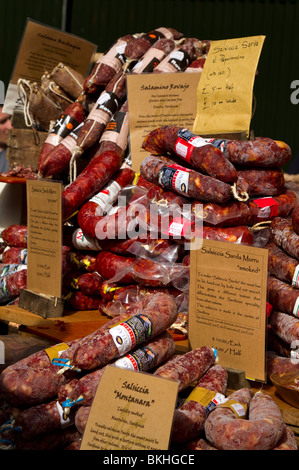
(282, 296)
(282, 266)
(102, 347)
(288, 440)
(260, 152)
(14, 255)
(80, 301)
(261, 431)
(189, 419)
(93, 178)
(89, 283)
(277, 364)
(56, 163)
(285, 326)
(188, 367)
(72, 116)
(260, 181)
(175, 140)
(15, 235)
(184, 181)
(110, 63)
(12, 284)
(92, 211)
(284, 236)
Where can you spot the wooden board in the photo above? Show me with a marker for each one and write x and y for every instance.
(24, 147)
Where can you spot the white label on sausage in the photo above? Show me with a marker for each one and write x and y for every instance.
(296, 308)
(64, 419)
(84, 242)
(295, 280)
(106, 198)
(134, 331)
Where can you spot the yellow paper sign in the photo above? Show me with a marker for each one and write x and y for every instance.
(126, 410)
(227, 311)
(225, 90)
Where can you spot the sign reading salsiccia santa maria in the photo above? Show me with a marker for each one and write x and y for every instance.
(225, 90)
(228, 292)
(126, 409)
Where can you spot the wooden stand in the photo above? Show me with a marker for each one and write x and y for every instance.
(43, 305)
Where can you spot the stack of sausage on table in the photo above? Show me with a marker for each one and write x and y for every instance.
(229, 187)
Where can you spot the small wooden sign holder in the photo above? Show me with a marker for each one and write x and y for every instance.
(43, 305)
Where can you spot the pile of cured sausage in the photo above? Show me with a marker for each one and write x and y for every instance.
(127, 235)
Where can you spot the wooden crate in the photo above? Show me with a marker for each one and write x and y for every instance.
(24, 147)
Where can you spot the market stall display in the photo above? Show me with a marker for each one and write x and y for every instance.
(130, 261)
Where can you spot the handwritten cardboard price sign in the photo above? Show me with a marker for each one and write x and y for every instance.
(131, 411)
(228, 304)
(225, 90)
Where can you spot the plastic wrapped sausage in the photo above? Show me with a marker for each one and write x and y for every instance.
(189, 367)
(246, 213)
(15, 235)
(100, 347)
(14, 255)
(81, 301)
(12, 284)
(261, 431)
(92, 211)
(184, 181)
(190, 417)
(175, 140)
(283, 297)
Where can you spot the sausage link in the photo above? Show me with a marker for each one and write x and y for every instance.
(89, 283)
(42, 419)
(56, 163)
(282, 296)
(80, 301)
(260, 181)
(34, 380)
(144, 359)
(110, 63)
(180, 58)
(93, 178)
(72, 116)
(295, 220)
(284, 236)
(261, 152)
(277, 364)
(190, 417)
(282, 266)
(92, 211)
(198, 152)
(199, 444)
(56, 440)
(109, 101)
(187, 368)
(15, 235)
(154, 55)
(138, 46)
(14, 255)
(102, 347)
(261, 431)
(184, 181)
(285, 326)
(81, 418)
(288, 440)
